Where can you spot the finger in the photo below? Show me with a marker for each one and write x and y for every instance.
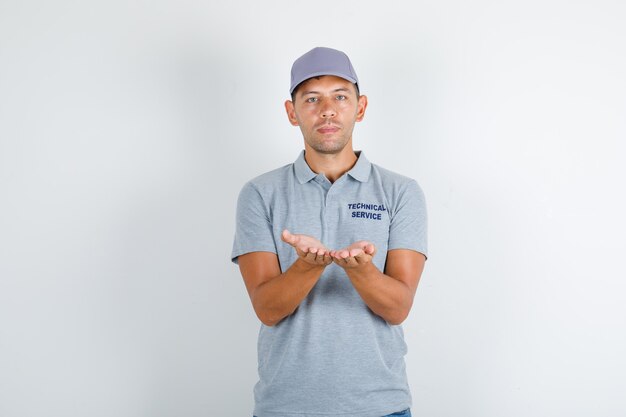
(351, 261)
(340, 261)
(355, 252)
(359, 244)
(310, 257)
(363, 258)
(321, 259)
(370, 249)
(364, 245)
(302, 252)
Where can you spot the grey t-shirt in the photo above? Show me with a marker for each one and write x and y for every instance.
(333, 356)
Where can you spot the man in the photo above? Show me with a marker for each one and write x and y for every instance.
(331, 249)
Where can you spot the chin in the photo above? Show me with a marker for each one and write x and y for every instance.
(328, 150)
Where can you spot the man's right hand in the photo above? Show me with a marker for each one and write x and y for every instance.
(309, 249)
(275, 294)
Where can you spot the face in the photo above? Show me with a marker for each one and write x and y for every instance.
(326, 109)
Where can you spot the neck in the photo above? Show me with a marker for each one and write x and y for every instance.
(332, 165)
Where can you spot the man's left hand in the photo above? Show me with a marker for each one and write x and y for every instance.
(354, 256)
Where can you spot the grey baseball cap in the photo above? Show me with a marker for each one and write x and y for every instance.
(322, 61)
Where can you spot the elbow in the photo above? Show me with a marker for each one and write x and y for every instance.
(266, 314)
(397, 317)
(268, 318)
(395, 321)
(268, 322)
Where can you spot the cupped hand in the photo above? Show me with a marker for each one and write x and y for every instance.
(308, 248)
(355, 255)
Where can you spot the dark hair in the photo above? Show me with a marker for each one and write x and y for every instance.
(295, 90)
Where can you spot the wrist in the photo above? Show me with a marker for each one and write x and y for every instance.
(361, 272)
(303, 266)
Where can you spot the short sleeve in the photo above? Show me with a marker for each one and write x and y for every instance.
(253, 228)
(408, 228)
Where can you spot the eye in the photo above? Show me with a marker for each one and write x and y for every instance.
(311, 99)
(341, 97)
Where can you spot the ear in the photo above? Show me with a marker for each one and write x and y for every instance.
(361, 106)
(291, 113)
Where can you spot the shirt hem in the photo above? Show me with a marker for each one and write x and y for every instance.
(375, 413)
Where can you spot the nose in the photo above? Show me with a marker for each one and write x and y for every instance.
(328, 110)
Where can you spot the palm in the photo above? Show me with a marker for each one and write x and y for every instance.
(356, 249)
(308, 248)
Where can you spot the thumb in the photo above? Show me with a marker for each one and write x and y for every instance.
(288, 237)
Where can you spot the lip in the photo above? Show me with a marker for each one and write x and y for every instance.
(327, 129)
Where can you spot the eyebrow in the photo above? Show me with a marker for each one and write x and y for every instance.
(342, 89)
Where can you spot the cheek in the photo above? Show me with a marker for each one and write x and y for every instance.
(308, 119)
(349, 108)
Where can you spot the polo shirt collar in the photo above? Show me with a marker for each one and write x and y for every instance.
(303, 171)
(360, 171)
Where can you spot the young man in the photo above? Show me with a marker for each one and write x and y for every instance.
(331, 249)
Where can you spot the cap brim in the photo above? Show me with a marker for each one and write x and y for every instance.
(319, 74)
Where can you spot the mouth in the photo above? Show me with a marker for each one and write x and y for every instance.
(327, 129)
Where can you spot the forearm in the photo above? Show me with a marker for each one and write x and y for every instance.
(387, 297)
(279, 297)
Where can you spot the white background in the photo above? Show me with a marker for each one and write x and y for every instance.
(127, 129)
